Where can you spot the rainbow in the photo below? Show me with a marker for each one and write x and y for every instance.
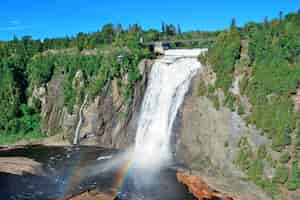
(76, 174)
(73, 177)
(122, 175)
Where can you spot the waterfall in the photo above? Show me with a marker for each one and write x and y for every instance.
(77, 131)
(168, 82)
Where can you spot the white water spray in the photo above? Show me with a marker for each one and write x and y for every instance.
(168, 82)
(77, 131)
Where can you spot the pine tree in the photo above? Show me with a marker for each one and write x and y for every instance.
(280, 16)
(163, 28)
(266, 22)
(232, 24)
(178, 29)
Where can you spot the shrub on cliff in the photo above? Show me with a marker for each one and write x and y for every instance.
(281, 174)
(293, 181)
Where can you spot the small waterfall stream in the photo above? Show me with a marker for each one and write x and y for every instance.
(77, 130)
(168, 83)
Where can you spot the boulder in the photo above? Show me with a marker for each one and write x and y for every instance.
(207, 143)
(20, 165)
(200, 189)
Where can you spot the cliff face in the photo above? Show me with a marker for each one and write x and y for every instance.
(111, 122)
(208, 142)
(108, 120)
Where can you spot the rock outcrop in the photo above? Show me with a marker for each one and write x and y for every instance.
(200, 189)
(206, 138)
(20, 166)
(108, 120)
(91, 195)
(111, 122)
(52, 105)
(207, 142)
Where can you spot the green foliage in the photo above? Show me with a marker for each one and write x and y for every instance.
(293, 181)
(30, 119)
(27, 126)
(269, 186)
(243, 159)
(298, 137)
(15, 137)
(230, 101)
(223, 55)
(243, 84)
(262, 152)
(240, 108)
(9, 99)
(284, 158)
(69, 96)
(272, 74)
(281, 174)
(203, 58)
(202, 89)
(273, 52)
(282, 139)
(27, 64)
(255, 170)
(39, 70)
(226, 143)
(215, 100)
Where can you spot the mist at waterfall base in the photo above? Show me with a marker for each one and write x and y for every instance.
(144, 163)
(168, 83)
(140, 172)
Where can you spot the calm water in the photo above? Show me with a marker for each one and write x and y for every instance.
(70, 170)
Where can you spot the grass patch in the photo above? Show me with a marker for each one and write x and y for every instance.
(13, 138)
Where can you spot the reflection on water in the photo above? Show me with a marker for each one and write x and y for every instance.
(70, 170)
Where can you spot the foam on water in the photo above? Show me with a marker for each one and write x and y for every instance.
(168, 83)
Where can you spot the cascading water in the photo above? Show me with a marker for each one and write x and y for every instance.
(77, 130)
(168, 82)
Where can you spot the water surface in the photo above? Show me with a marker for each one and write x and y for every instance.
(70, 170)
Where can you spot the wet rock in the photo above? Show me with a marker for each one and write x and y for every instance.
(109, 118)
(200, 189)
(92, 195)
(20, 165)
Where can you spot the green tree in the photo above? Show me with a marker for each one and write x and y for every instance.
(9, 99)
(108, 33)
(293, 181)
(281, 174)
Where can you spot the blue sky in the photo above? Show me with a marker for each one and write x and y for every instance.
(52, 18)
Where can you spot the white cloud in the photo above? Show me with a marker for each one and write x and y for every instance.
(14, 25)
(14, 28)
(14, 22)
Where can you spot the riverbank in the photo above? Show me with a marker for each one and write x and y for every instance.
(55, 140)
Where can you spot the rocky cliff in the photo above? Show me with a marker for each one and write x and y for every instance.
(208, 140)
(108, 120)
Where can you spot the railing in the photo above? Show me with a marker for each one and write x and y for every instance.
(152, 43)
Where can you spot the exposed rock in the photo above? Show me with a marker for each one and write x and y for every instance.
(78, 80)
(20, 165)
(52, 112)
(89, 52)
(207, 142)
(91, 195)
(108, 120)
(200, 189)
(296, 100)
(38, 93)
